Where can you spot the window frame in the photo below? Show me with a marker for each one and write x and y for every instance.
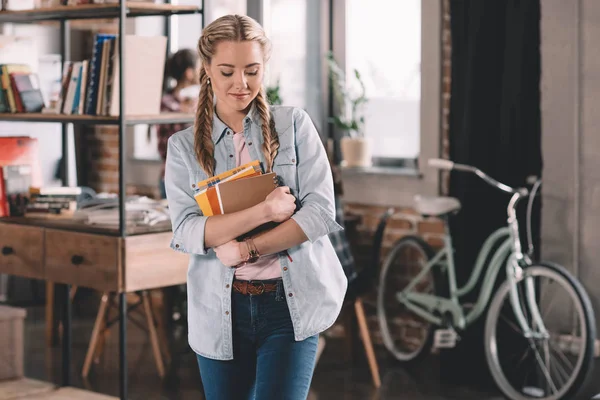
(397, 185)
(431, 15)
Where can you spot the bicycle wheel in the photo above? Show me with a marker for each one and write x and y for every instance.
(406, 335)
(551, 367)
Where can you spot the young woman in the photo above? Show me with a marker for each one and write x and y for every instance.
(255, 307)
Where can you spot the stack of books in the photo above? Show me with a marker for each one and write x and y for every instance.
(91, 87)
(52, 201)
(19, 89)
(235, 190)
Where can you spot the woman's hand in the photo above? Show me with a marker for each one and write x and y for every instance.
(232, 254)
(280, 204)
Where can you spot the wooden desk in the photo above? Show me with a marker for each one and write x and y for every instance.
(94, 257)
(73, 253)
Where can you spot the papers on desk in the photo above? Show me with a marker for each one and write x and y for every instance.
(139, 210)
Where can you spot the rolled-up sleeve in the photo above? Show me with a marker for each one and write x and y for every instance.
(316, 216)
(186, 218)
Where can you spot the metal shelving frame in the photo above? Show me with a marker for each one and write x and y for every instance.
(121, 12)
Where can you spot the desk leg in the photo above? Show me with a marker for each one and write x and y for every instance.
(66, 336)
(123, 344)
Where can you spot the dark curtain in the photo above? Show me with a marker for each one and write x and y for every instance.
(495, 126)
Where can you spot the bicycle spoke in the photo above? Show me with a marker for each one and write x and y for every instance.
(512, 325)
(549, 308)
(543, 367)
(560, 369)
(523, 358)
(562, 355)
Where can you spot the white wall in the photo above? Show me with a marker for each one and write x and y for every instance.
(570, 140)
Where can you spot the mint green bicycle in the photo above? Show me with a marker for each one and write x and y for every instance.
(540, 327)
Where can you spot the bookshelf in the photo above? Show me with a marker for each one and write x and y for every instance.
(128, 249)
(95, 11)
(165, 118)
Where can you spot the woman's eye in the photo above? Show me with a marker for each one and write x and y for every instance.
(227, 74)
(252, 73)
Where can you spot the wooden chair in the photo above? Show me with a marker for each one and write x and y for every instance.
(153, 325)
(104, 321)
(358, 287)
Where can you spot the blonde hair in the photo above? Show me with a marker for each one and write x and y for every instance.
(230, 28)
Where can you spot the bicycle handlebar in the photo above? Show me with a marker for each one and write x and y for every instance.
(522, 192)
(448, 165)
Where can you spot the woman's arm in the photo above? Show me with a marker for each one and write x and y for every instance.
(283, 237)
(277, 207)
(316, 217)
(195, 233)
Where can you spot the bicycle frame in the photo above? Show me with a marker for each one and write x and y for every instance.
(434, 308)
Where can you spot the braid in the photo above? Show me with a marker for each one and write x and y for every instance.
(270, 136)
(203, 144)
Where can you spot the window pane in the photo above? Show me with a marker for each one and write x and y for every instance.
(294, 27)
(189, 27)
(385, 47)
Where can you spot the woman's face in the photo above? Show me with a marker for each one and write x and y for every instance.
(236, 73)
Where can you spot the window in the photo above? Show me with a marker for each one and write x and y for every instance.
(383, 43)
(187, 28)
(294, 27)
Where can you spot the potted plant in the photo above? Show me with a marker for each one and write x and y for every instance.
(356, 148)
(273, 96)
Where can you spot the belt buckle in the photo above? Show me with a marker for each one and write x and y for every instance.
(260, 287)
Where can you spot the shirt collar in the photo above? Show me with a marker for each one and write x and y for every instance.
(219, 127)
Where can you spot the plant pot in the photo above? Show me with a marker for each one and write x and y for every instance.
(357, 151)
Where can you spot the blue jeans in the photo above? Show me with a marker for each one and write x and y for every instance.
(268, 363)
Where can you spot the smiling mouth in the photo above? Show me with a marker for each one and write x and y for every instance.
(240, 96)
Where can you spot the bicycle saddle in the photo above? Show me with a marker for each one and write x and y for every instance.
(436, 206)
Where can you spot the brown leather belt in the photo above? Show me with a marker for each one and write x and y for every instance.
(253, 288)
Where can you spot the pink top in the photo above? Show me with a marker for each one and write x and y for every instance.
(267, 267)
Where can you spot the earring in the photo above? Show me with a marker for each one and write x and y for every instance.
(208, 81)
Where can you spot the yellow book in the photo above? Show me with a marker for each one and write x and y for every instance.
(202, 185)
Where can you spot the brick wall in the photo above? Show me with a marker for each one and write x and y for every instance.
(446, 91)
(403, 222)
(100, 146)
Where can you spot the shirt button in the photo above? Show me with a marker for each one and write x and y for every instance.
(293, 160)
(226, 312)
(285, 268)
(249, 143)
(291, 295)
(193, 185)
(231, 156)
(176, 246)
(227, 286)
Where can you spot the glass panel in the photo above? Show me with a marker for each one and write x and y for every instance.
(383, 43)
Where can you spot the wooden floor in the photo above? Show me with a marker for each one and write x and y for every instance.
(31, 389)
(334, 378)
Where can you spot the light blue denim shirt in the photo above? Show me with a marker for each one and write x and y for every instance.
(314, 280)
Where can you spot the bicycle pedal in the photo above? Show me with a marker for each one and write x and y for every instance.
(445, 338)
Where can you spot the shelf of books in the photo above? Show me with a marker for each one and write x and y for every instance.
(94, 11)
(164, 118)
(88, 91)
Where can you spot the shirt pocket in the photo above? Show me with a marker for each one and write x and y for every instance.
(286, 168)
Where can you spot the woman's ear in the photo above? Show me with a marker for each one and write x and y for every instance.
(207, 70)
